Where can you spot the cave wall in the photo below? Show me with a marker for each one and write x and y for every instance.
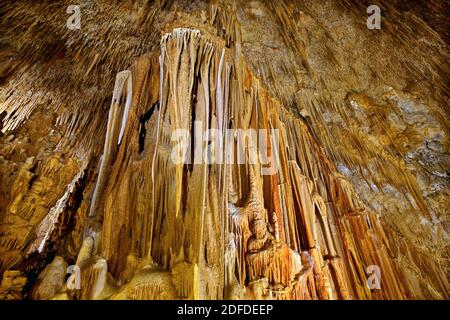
(86, 171)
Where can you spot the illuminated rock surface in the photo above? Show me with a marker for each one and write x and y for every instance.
(87, 178)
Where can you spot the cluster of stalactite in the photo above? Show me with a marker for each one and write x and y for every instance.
(159, 229)
(103, 194)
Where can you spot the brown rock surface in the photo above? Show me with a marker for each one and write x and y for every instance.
(86, 150)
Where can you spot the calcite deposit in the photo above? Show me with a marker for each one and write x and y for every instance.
(98, 200)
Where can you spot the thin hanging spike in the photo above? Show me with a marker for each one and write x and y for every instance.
(110, 147)
(127, 106)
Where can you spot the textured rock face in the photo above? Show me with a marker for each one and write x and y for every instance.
(356, 124)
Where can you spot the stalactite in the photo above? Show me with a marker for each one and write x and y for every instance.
(113, 136)
(205, 227)
(50, 280)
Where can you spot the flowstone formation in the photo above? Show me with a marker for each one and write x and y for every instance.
(351, 201)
